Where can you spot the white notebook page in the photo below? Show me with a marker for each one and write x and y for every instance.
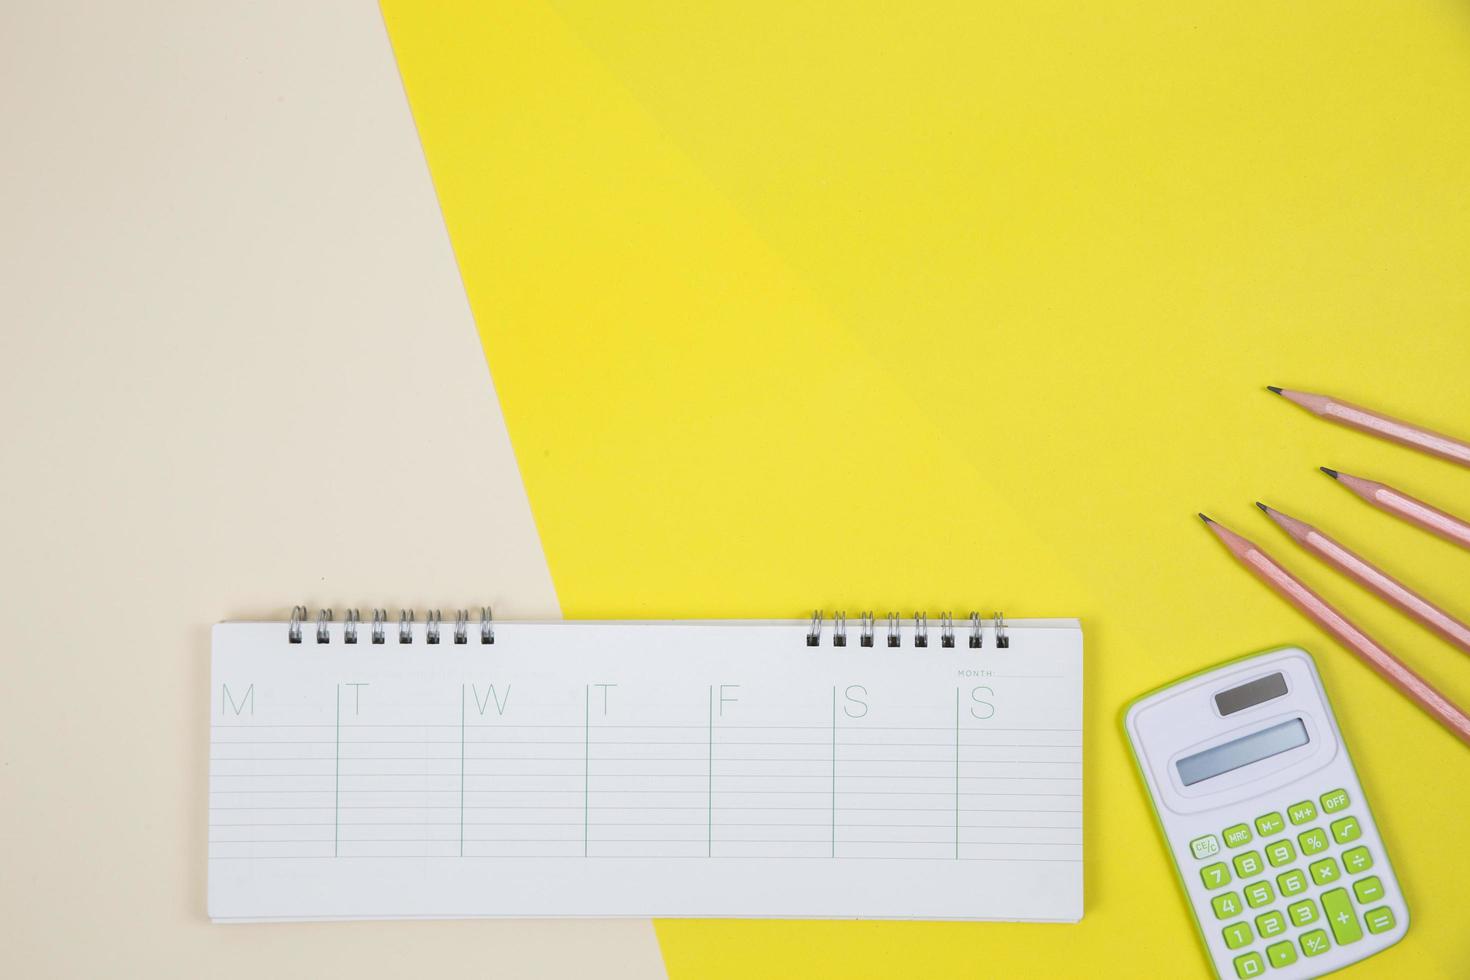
(645, 769)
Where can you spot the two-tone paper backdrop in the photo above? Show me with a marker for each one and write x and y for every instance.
(915, 306)
(934, 305)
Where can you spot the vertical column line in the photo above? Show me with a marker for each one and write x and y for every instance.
(834, 771)
(957, 774)
(710, 793)
(337, 778)
(586, 760)
(461, 770)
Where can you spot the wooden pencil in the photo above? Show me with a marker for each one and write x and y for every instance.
(1319, 611)
(1378, 424)
(1400, 504)
(1372, 577)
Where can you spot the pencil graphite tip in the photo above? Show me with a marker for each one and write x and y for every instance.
(1331, 473)
(1264, 508)
(1205, 519)
(1273, 389)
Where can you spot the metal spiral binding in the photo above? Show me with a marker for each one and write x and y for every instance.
(378, 632)
(434, 624)
(893, 630)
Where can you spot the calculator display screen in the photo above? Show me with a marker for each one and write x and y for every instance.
(1242, 752)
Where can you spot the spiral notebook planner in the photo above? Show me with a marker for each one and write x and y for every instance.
(392, 766)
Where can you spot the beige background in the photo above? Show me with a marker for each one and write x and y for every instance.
(237, 372)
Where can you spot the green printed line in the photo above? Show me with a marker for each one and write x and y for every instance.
(586, 760)
(710, 812)
(461, 770)
(337, 778)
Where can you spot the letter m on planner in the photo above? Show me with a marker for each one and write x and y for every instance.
(227, 700)
(491, 695)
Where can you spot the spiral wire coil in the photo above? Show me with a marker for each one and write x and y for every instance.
(434, 628)
(377, 633)
(894, 630)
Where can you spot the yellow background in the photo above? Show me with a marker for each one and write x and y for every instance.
(946, 305)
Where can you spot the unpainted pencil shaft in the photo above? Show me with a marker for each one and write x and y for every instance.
(1400, 504)
(1317, 609)
(1370, 576)
(1378, 424)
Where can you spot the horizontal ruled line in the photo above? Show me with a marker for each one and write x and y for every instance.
(426, 806)
(607, 775)
(635, 840)
(650, 807)
(699, 727)
(637, 758)
(622, 857)
(818, 825)
(663, 742)
(655, 792)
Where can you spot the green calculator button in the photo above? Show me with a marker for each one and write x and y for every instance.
(1357, 860)
(1291, 883)
(1215, 875)
(1346, 830)
(1302, 913)
(1270, 925)
(1313, 841)
(1303, 812)
(1379, 919)
(1249, 965)
(1237, 836)
(1334, 801)
(1248, 864)
(1368, 889)
(1281, 954)
(1205, 846)
(1269, 823)
(1259, 893)
(1280, 852)
(1237, 934)
(1340, 916)
(1226, 905)
(1325, 871)
(1314, 943)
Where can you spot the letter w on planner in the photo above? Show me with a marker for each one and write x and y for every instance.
(491, 694)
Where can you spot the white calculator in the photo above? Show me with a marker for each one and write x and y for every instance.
(1264, 816)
